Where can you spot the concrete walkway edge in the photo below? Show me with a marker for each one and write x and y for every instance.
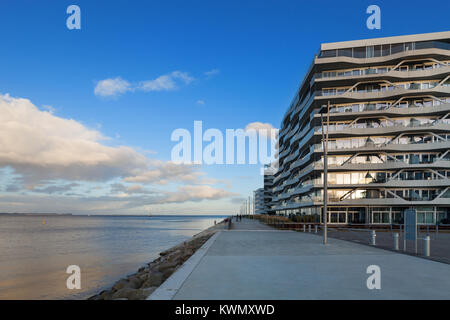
(168, 289)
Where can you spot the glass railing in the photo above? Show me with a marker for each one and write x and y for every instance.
(349, 73)
(333, 162)
(384, 50)
(361, 107)
(371, 71)
(383, 124)
(410, 86)
(333, 146)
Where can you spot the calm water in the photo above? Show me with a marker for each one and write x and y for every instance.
(34, 256)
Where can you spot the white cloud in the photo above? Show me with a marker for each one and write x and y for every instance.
(262, 128)
(166, 82)
(49, 108)
(39, 145)
(118, 188)
(195, 193)
(212, 72)
(112, 87)
(201, 102)
(116, 86)
(56, 188)
(162, 83)
(162, 172)
(183, 76)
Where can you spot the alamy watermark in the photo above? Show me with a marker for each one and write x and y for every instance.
(236, 146)
(74, 280)
(374, 280)
(74, 20)
(374, 20)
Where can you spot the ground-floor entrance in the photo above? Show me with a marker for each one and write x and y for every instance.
(386, 215)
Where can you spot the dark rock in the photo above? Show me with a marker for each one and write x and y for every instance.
(154, 280)
(135, 282)
(120, 284)
(106, 295)
(168, 272)
(133, 294)
(166, 265)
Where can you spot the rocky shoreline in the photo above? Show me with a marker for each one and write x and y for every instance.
(141, 284)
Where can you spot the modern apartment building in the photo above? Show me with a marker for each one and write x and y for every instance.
(258, 201)
(389, 133)
(268, 184)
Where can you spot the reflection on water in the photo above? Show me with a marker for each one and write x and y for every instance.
(35, 251)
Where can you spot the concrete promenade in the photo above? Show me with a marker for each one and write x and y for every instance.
(253, 261)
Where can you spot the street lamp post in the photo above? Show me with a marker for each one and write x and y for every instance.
(325, 173)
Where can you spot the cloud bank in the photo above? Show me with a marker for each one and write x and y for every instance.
(50, 156)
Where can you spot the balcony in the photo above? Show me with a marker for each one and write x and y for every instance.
(386, 126)
(363, 73)
(386, 146)
(385, 91)
(383, 50)
(400, 108)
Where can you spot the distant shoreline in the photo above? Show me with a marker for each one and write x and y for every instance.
(109, 215)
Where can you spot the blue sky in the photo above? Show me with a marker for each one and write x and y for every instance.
(259, 51)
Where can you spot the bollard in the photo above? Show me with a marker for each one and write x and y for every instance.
(426, 246)
(372, 237)
(309, 228)
(304, 228)
(315, 228)
(396, 243)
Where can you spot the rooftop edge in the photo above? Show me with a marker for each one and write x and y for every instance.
(386, 40)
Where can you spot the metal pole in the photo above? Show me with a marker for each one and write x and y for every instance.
(309, 228)
(325, 174)
(426, 246)
(315, 228)
(404, 234)
(396, 245)
(304, 228)
(417, 234)
(373, 237)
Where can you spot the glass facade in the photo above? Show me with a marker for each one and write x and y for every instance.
(384, 50)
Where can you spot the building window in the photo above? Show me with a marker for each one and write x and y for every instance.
(345, 52)
(359, 52)
(385, 50)
(409, 46)
(328, 54)
(377, 52)
(396, 48)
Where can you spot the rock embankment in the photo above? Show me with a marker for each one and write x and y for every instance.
(140, 285)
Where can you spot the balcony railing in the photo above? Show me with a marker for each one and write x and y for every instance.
(370, 71)
(362, 144)
(384, 124)
(410, 86)
(383, 50)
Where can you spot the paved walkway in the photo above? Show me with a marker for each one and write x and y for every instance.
(253, 261)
